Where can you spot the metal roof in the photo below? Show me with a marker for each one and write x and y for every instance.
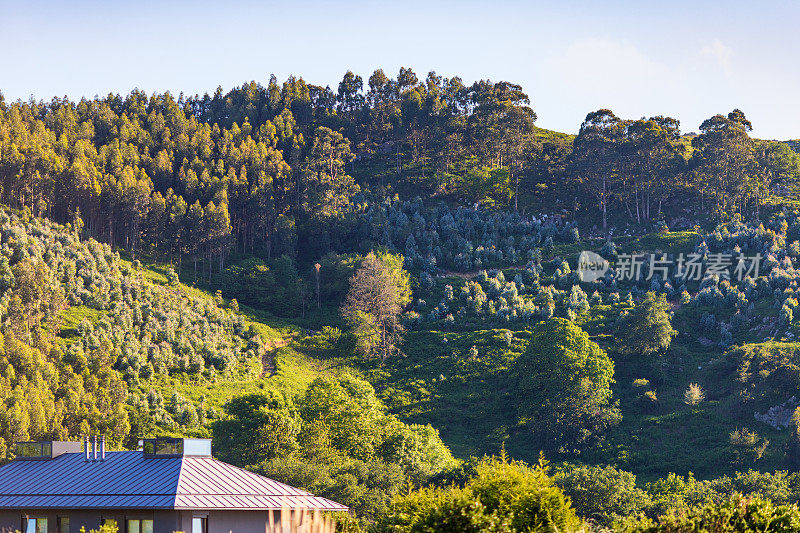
(129, 480)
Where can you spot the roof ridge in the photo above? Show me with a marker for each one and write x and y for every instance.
(174, 495)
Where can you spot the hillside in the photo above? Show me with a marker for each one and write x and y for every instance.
(362, 293)
(175, 356)
(76, 310)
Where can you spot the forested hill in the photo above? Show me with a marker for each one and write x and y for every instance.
(92, 343)
(361, 292)
(270, 168)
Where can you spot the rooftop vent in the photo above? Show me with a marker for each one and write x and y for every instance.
(44, 450)
(176, 447)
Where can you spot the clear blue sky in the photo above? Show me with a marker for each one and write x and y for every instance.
(689, 60)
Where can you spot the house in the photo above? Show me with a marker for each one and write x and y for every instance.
(170, 484)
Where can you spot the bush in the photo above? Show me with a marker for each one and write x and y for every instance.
(767, 373)
(647, 329)
(736, 515)
(793, 444)
(694, 394)
(602, 494)
(747, 445)
(502, 496)
(172, 278)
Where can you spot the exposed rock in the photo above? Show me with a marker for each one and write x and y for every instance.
(778, 416)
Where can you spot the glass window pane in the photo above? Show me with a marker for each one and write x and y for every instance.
(198, 525)
(147, 526)
(29, 525)
(29, 449)
(63, 524)
(149, 447)
(41, 525)
(169, 446)
(134, 526)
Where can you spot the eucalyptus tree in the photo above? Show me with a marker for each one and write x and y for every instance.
(595, 157)
(650, 162)
(724, 161)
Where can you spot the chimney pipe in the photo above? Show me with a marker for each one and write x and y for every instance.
(94, 448)
(86, 448)
(102, 447)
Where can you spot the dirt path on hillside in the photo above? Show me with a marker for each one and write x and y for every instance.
(473, 273)
(268, 367)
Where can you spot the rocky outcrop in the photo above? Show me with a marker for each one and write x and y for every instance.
(778, 416)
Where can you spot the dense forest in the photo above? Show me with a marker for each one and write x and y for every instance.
(271, 168)
(374, 293)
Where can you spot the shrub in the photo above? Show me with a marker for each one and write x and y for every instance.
(472, 355)
(767, 374)
(647, 329)
(650, 397)
(609, 250)
(501, 497)
(602, 494)
(426, 280)
(736, 515)
(694, 394)
(793, 444)
(786, 315)
(172, 278)
(747, 445)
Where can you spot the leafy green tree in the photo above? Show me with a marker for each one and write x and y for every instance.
(259, 427)
(334, 439)
(502, 496)
(595, 159)
(603, 494)
(327, 188)
(647, 329)
(348, 410)
(793, 444)
(378, 292)
(562, 383)
(724, 160)
(651, 161)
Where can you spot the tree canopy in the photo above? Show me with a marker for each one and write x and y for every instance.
(563, 385)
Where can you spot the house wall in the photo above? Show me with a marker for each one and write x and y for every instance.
(236, 521)
(163, 521)
(10, 521)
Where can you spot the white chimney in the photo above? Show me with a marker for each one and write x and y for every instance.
(86, 448)
(94, 448)
(102, 447)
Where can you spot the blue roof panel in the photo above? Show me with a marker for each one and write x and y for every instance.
(131, 480)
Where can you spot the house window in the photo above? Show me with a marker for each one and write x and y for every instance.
(140, 526)
(63, 524)
(164, 446)
(199, 524)
(34, 524)
(34, 450)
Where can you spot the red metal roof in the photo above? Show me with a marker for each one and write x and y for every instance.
(130, 480)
